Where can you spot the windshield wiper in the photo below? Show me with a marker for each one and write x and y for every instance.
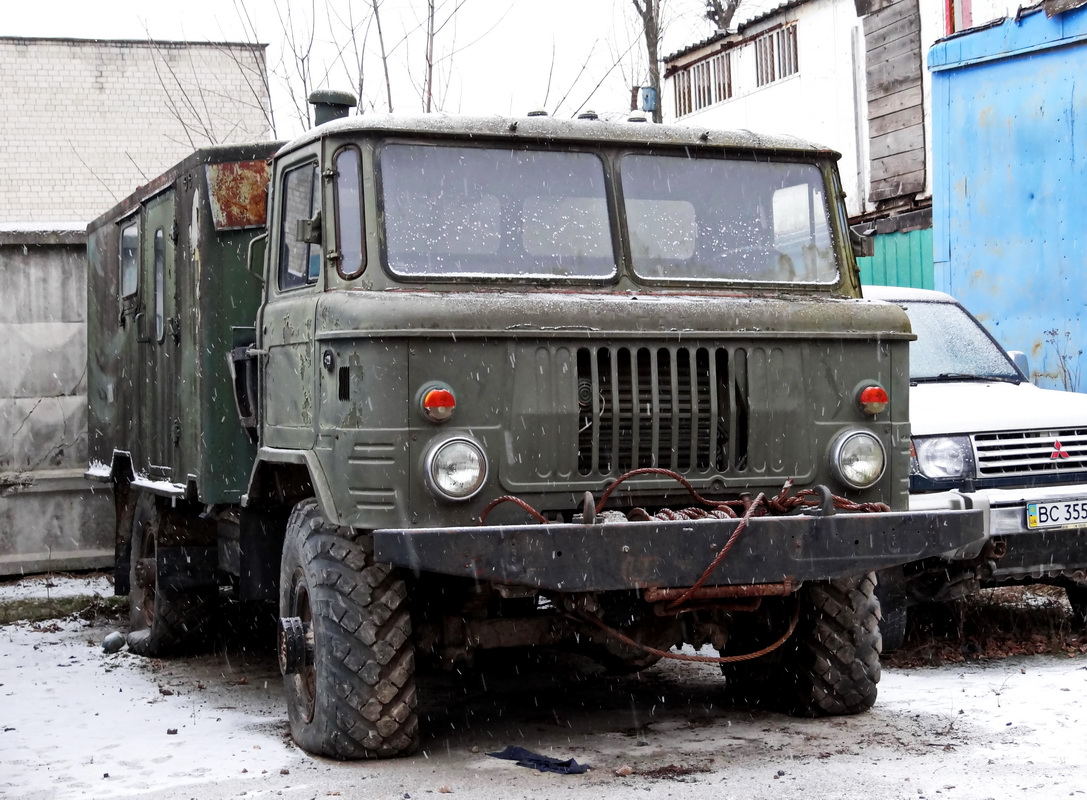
(951, 377)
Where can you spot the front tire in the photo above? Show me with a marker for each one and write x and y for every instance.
(832, 662)
(353, 694)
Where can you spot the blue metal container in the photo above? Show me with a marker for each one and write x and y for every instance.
(1009, 156)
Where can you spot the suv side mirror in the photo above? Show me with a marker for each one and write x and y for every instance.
(1019, 358)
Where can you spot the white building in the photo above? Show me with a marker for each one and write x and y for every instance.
(83, 124)
(86, 122)
(849, 74)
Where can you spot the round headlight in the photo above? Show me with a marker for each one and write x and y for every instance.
(858, 458)
(456, 469)
(944, 456)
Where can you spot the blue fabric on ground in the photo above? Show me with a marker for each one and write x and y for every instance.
(526, 758)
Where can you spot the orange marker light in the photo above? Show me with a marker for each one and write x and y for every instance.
(873, 399)
(438, 405)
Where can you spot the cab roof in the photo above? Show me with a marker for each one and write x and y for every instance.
(541, 128)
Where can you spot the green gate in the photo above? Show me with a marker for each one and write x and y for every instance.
(901, 259)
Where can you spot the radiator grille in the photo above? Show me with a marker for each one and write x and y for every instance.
(1031, 452)
(679, 408)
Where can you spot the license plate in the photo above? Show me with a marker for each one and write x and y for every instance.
(1057, 514)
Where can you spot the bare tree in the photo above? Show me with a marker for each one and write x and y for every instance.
(652, 23)
(296, 64)
(650, 13)
(384, 58)
(721, 12)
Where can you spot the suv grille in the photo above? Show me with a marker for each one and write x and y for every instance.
(680, 408)
(1031, 452)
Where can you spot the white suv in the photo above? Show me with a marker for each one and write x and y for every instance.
(984, 437)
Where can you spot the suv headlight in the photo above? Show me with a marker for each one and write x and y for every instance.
(858, 459)
(942, 457)
(456, 469)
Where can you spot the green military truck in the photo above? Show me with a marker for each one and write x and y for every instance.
(496, 383)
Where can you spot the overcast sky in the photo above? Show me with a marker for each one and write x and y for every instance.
(492, 56)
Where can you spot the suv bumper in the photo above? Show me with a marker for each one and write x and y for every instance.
(665, 554)
(1029, 552)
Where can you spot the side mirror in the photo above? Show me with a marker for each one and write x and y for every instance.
(1019, 358)
(863, 243)
(257, 248)
(309, 230)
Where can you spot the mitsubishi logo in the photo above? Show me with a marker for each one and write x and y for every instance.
(1058, 450)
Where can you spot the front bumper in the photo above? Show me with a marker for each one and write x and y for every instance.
(1029, 552)
(664, 554)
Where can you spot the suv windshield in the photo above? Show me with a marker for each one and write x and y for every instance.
(495, 212)
(727, 220)
(951, 344)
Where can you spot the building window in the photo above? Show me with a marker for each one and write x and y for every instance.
(776, 55)
(703, 84)
(683, 93)
(722, 75)
(960, 16)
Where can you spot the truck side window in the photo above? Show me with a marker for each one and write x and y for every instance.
(160, 286)
(130, 249)
(349, 238)
(299, 261)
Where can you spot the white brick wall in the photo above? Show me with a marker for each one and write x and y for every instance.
(83, 123)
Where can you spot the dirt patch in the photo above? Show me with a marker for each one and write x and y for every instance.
(994, 624)
(37, 609)
(674, 772)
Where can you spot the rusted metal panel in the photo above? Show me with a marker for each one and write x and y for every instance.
(238, 191)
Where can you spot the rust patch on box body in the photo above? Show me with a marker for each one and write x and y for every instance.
(239, 194)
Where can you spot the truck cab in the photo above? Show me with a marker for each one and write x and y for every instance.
(532, 382)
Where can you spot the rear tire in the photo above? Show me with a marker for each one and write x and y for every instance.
(831, 662)
(354, 697)
(163, 619)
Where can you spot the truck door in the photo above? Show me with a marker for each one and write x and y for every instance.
(286, 331)
(159, 331)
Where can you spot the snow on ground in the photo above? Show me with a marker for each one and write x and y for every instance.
(53, 586)
(76, 722)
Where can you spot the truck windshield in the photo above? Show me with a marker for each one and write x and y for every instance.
(495, 212)
(952, 345)
(727, 220)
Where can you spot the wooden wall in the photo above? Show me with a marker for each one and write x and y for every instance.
(896, 131)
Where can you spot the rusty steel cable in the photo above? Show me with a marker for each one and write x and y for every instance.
(759, 501)
(622, 637)
(509, 498)
(780, 504)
